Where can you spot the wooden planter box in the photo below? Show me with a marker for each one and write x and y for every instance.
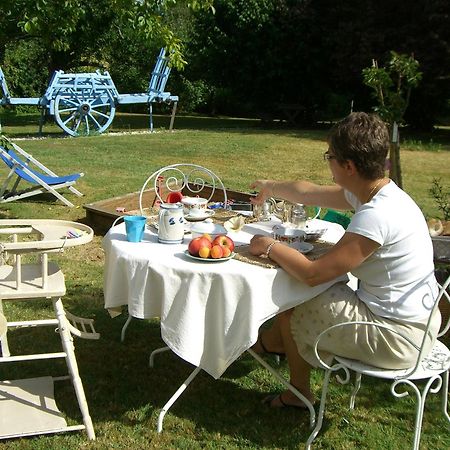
(101, 215)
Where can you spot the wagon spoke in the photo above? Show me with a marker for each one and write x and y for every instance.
(99, 105)
(71, 117)
(77, 126)
(95, 121)
(67, 110)
(101, 114)
(87, 124)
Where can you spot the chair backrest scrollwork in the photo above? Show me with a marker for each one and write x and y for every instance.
(183, 178)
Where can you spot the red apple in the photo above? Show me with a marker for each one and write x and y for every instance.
(224, 241)
(226, 252)
(216, 251)
(197, 243)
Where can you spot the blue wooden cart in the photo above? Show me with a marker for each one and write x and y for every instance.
(85, 103)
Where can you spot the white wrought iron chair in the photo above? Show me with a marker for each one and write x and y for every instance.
(185, 179)
(433, 368)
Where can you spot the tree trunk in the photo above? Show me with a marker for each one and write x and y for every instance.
(395, 171)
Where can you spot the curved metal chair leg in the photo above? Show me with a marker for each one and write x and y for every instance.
(355, 390)
(124, 328)
(319, 420)
(445, 396)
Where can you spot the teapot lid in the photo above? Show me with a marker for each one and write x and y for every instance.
(171, 206)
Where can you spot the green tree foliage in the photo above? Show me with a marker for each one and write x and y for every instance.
(391, 86)
(122, 36)
(312, 53)
(251, 55)
(75, 29)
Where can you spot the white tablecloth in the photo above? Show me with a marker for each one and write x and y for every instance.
(210, 312)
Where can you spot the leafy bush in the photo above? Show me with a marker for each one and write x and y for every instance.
(441, 197)
(25, 74)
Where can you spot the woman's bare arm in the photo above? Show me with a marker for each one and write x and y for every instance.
(346, 255)
(301, 192)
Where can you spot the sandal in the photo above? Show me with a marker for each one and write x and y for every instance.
(267, 352)
(270, 398)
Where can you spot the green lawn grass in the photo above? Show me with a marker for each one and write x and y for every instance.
(124, 394)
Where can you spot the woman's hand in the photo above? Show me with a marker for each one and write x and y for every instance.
(259, 244)
(265, 188)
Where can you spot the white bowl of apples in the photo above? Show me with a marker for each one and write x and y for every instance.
(207, 248)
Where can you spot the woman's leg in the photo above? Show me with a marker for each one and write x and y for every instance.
(300, 370)
(270, 339)
(278, 338)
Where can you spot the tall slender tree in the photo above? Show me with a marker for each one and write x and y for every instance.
(392, 87)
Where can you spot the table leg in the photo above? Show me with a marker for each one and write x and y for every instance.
(124, 328)
(296, 392)
(175, 396)
(151, 360)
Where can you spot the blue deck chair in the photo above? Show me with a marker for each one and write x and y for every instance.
(23, 167)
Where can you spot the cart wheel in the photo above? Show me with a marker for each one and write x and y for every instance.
(82, 115)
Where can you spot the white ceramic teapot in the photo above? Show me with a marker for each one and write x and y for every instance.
(171, 223)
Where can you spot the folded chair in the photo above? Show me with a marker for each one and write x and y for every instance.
(23, 167)
(430, 371)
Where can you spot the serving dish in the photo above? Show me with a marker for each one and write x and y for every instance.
(208, 260)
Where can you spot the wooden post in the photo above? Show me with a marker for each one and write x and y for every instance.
(395, 172)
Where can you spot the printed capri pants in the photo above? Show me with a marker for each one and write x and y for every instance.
(368, 344)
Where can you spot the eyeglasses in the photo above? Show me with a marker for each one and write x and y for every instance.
(327, 156)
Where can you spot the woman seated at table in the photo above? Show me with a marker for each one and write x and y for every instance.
(386, 246)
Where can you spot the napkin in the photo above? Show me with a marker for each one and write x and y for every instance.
(234, 224)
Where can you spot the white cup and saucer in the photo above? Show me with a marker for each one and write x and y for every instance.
(195, 209)
(293, 237)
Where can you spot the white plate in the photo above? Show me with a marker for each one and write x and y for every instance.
(197, 218)
(197, 258)
(302, 247)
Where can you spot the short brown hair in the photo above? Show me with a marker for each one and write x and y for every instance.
(364, 139)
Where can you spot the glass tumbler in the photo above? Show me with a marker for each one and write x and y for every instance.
(298, 216)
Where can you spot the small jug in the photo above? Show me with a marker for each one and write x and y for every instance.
(171, 223)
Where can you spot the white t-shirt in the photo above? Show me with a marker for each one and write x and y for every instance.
(397, 281)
